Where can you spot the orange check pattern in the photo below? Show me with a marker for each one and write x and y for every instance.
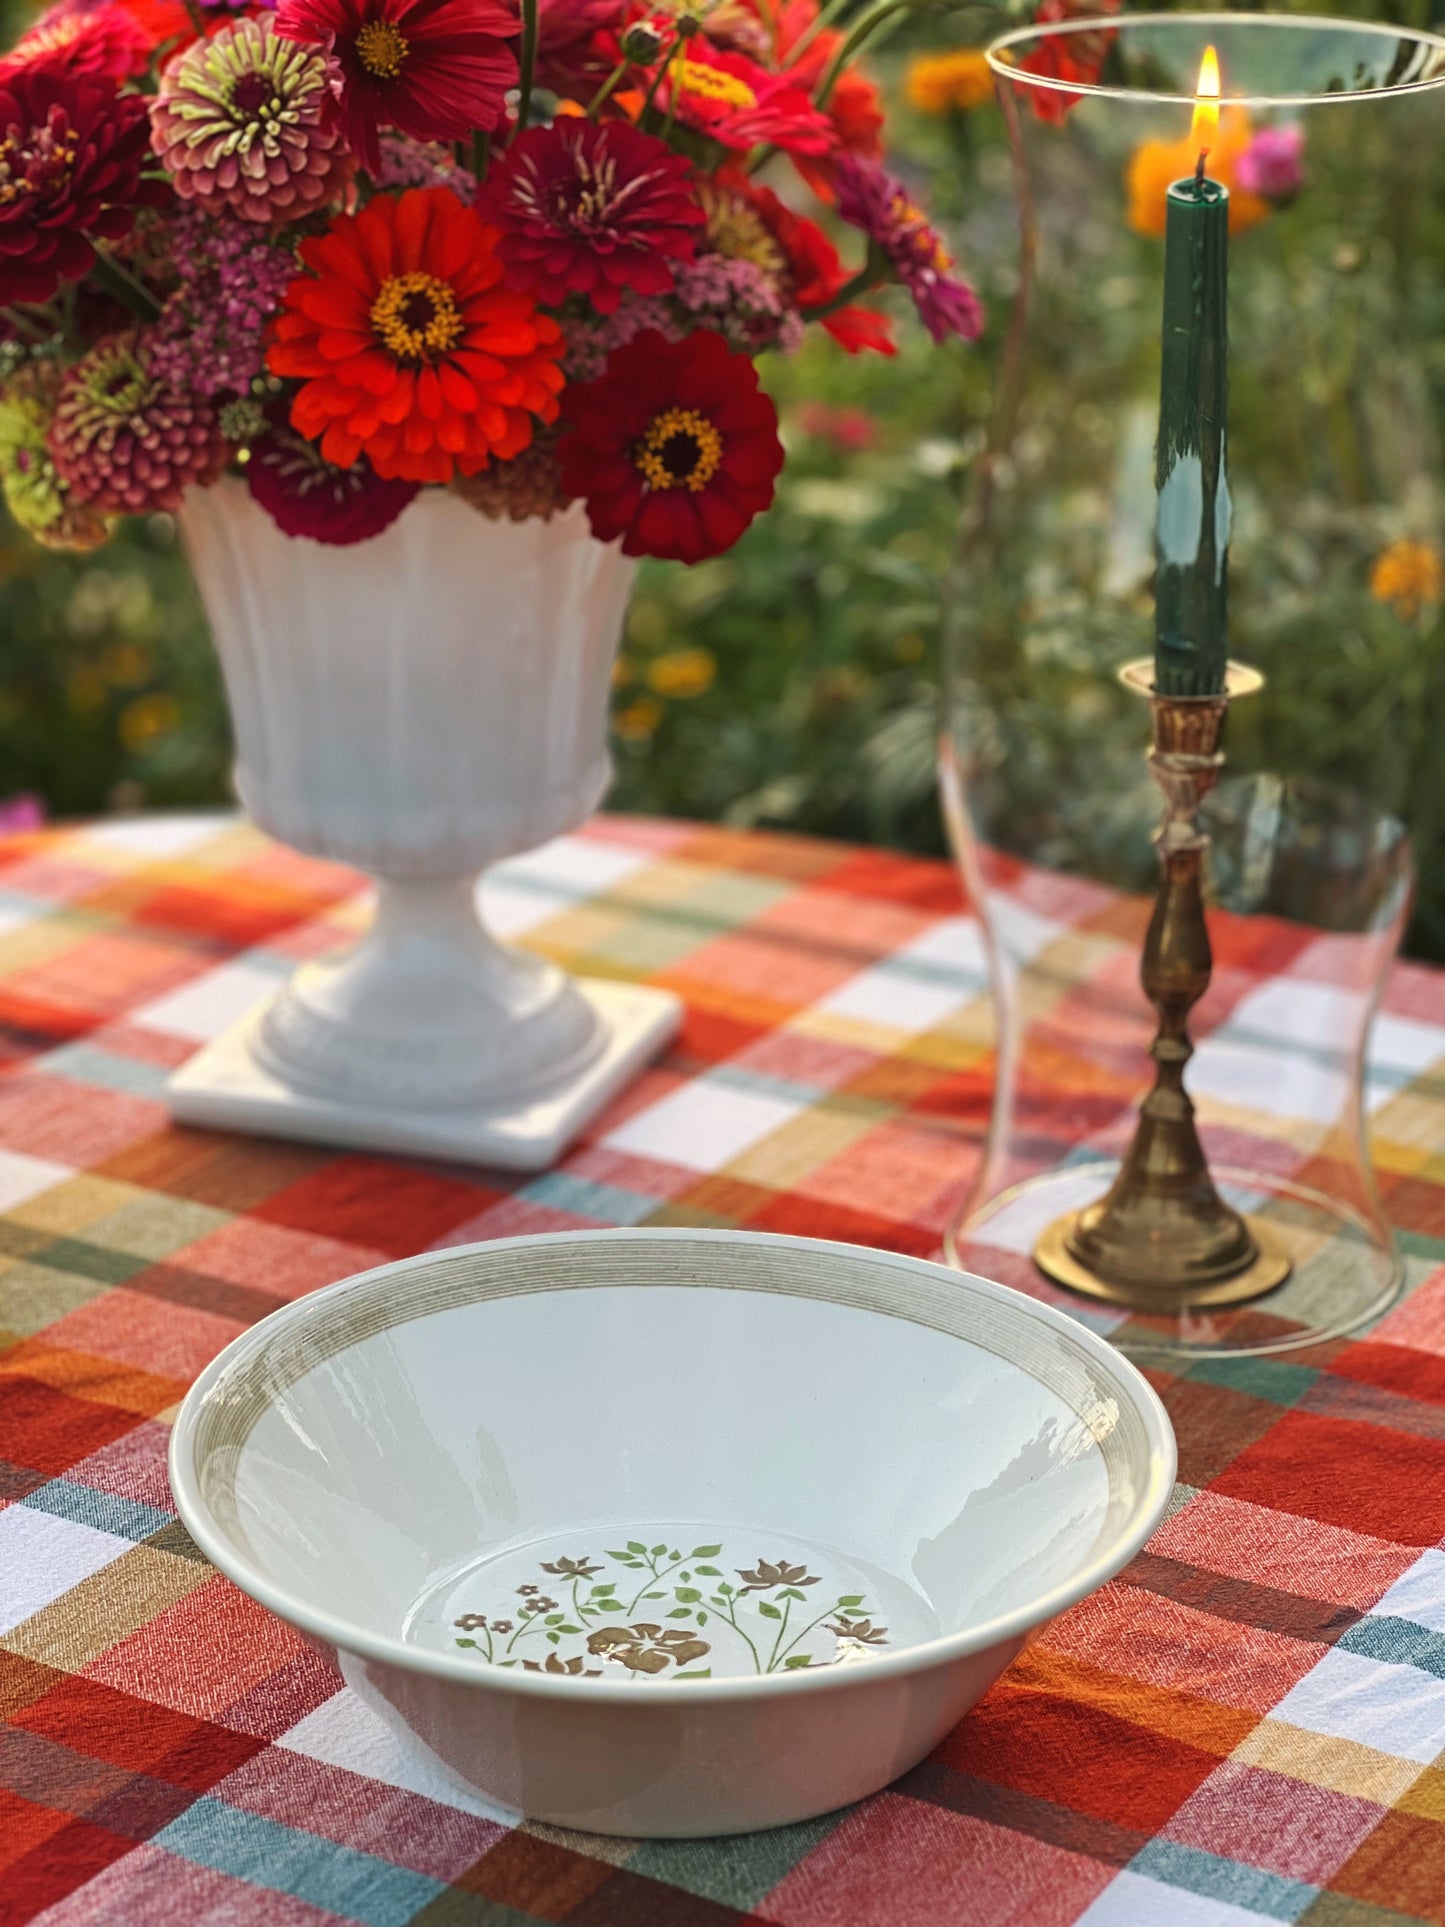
(1248, 1726)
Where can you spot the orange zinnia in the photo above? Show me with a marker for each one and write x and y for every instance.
(411, 349)
(1155, 165)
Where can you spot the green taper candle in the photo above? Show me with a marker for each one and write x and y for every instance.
(1191, 606)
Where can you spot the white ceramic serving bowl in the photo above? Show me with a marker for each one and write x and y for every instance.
(645, 1467)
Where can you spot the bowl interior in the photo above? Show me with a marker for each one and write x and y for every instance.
(651, 1455)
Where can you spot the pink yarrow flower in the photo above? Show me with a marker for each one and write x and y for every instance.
(211, 335)
(878, 204)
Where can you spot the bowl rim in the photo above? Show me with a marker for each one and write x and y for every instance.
(1004, 69)
(1155, 1492)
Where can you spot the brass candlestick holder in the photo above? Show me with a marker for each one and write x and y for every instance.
(1163, 1239)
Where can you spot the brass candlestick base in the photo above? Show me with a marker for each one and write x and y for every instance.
(1163, 1239)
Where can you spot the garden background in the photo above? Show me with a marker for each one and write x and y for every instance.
(792, 682)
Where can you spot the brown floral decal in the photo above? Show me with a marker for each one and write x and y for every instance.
(646, 1648)
(759, 1623)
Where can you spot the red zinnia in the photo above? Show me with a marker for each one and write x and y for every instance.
(71, 152)
(410, 350)
(434, 69)
(591, 209)
(818, 276)
(675, 448)
(741, 104)
(106, 42)
(304, 495)
(1067, 56)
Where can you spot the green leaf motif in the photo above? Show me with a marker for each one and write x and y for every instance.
(553, 1619)
(689, 1595)
(706, 1552)
(851, 1599)
(554, 1637)
(636, 1545)
(706, 1673)
(660, 1552)
(680, 1612)
(710, 1572)
(468, 1642)
(798, 1661)
(702, 1619)
(768, 1610)
(617, 1555)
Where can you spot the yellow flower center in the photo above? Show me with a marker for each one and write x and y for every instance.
(738, 232)
(926, 244)
(416, 317)
(381, 49)
(696, 77)
(681, 449)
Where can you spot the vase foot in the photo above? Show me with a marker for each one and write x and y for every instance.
(227, 1086)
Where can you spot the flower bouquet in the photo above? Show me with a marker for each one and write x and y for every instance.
(352, 249)
(427, 316)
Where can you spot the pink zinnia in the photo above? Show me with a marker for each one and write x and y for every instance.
(106, 42)
(434, 69)
(1272, 166)
(741, 104)
(588, 208)
(873, 201)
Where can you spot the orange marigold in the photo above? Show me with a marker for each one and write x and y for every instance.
(411, 349)
(1409, 576)
(1157, 164)
(950, 83)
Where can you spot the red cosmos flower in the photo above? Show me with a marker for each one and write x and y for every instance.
(589, 208)
(675, 448)
(71, 152)
(434, 69)
(1067, 56)
(410, 350)
(741, 104)
(107, 42)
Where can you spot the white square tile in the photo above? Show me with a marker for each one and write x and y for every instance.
(920, 984)
(1395, 1709)
(1134, 1900)
(1403, 1044)
(22, 1177)
(42, 1557)
(159, 835)
(509, 909)
(344, 1732)
(703, 1126)
(209, 1004)
(1283, 1078)
(1419, 1594)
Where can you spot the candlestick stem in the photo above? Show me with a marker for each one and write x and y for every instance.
(1163, 1238)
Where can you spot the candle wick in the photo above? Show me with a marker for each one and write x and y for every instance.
(1199, 173)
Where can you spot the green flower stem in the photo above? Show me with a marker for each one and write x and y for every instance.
(887, 12)
(870, 275)
(123, 285)
(481, 156)
(528, 64)
(663, 68)
(732, 1620)
(30, 325)
(825, 17)
(779, 1657)
(656, 1577)
(608, 88)
(527, 1625)
(782, 1628)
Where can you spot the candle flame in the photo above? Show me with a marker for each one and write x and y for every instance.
(1206, 104)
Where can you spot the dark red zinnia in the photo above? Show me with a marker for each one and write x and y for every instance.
(304, 494)
(106, 41)
(592, 209)
(434, 69)
(674, 448)
(1067, 56)
(71, 152)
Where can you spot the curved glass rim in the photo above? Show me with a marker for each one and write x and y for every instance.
(996, 55)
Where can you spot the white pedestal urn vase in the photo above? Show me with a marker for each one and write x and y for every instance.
(419, 705)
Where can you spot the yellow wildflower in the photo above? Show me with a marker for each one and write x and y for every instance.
(683, 672)
(948, 83)
(144, 721)
(1155, 165)
(637, 720)
(1408, 575)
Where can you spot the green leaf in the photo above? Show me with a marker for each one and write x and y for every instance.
(702, 1619)
(553, 1619)
(768, 1610)
(711, 1572)
(617, 1555)
(553, 1638)
(659, 1552)
(680, 1612)
(468, 1642)
(791, 1592)
(851, 1599)
(636, 1545)
(654, 1595)
(706, 1552)
(689, 1595)
(570, 1629)
(726, 1590)
(599, 1592)
(798, 1661)
(706, 1673)
(674, 1556)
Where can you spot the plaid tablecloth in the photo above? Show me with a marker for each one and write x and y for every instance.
(1248, 1726)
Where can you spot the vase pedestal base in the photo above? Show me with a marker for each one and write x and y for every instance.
(226, 1086)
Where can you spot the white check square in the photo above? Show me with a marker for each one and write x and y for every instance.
(1134, 1900)
(1419, 1594)
(1395, 1709)
(42, 1557)
(210, 1004)
(920, 984)
(703, 1126)
(23, 1177)
(345, 1732)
